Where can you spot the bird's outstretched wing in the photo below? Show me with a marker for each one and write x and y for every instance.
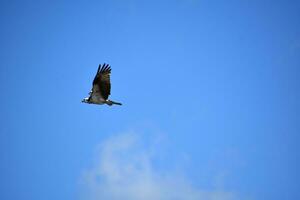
(101, 83)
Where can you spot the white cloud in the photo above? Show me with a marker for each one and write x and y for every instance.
(124, 170)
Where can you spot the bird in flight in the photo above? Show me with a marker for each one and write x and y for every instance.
(101, 87)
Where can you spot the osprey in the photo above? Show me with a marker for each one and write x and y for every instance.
(101, 87)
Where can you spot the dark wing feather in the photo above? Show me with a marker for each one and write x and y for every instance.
(101, 81)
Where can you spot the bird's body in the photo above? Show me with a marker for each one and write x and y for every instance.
(101, 87)
(96, 99)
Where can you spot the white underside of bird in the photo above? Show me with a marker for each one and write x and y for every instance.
(97, 99)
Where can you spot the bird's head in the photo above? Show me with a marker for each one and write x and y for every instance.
(85, 100)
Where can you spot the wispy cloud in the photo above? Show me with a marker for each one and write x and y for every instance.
(124, 169)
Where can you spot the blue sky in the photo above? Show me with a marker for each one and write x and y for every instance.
(210, 93)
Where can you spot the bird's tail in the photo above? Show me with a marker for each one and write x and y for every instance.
(110, 103)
